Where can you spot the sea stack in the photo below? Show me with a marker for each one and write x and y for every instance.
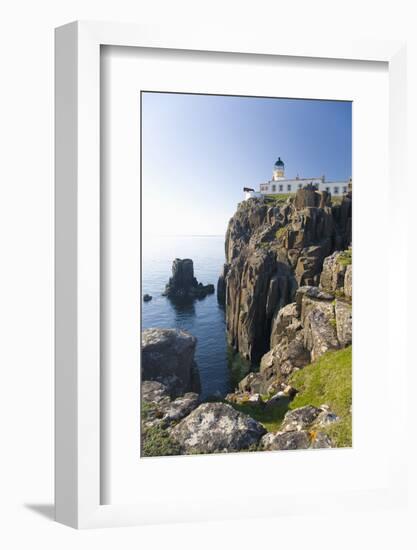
(183, 284)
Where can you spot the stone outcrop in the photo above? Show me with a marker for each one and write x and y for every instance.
(161, 409)
(271, 250)
(183, 284)
(300, 429)
(168, 358)
(216, 427)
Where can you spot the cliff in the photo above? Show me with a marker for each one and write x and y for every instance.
(274, 248)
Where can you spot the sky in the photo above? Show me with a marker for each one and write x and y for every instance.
(199, 151)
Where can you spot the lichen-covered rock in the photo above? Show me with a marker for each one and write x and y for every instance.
(216, 427)
(299, 419)
(165, 412)
(320, 440)
(325, 417)
(343, 311)
(154, 392)
(285, 441)
(168, 358)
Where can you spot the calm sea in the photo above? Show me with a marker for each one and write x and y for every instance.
(204, 318)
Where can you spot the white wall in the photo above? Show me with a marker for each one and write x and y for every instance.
(26, 274)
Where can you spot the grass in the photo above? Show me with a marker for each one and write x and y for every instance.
(329, 381)
(345, 257)
(155, 439)
(279, 198)
(270, 417)
(157, 442)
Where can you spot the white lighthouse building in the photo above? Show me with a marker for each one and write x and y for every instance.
(280, 185)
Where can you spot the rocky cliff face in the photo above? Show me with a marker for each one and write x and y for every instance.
(272, 249)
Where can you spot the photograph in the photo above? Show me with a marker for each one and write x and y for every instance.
(246, 274)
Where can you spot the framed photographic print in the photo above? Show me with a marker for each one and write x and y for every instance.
(219, 213)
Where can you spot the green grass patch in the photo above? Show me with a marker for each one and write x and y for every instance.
(157, 442)
(279, 198)
(329, 381)
(269, 416)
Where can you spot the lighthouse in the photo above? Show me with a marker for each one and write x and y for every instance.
(278, 170)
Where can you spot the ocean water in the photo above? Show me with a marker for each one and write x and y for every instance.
(204, 319)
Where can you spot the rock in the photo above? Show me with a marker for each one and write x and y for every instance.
(164, 412)
(216, 427)
(317, 315)
(285, 441)
(343, 311)
(348, 282)
(147, 297)
(332, 277)
(221, 285)
(154, 392)
(295, 440)
(285, 357)
(183, 284)
(179, 408)
(320, 440)
(168, 358)
(325, 418)
(284, 322)
(299, 419)
(253, 382)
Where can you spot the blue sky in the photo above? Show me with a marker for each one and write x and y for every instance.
(199, 151)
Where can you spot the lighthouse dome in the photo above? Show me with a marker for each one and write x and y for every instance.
(279, 162)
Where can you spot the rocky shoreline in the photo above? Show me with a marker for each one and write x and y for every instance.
(287, 291)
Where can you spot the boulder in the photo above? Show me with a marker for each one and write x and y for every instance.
(147, 297)
(299, 419)
(216, 427)
(285, 441)
(320, 440)
(168, 358)
(165, 412)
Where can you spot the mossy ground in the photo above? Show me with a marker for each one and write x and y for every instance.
(327, 381)
(155, 440)
(345, 257)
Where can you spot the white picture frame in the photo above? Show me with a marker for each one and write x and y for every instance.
(78, 321)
